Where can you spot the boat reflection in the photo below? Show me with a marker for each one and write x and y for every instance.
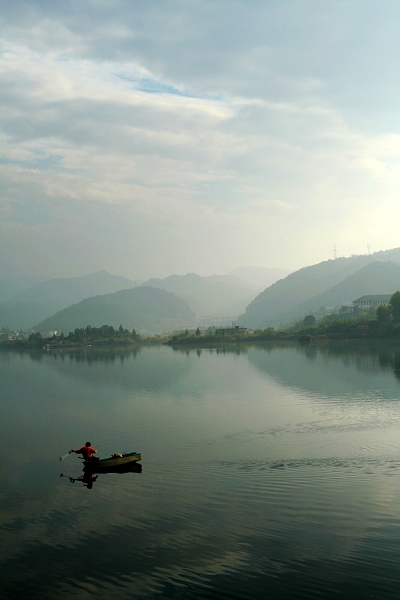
(91, 474)
(95, 467)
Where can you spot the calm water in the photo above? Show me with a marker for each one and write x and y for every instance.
(269, 472)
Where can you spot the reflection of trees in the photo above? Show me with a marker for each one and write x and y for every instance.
(396, 364)
(142, 367)
(368, 355)
(35, 355)
(217, 349)
(311, 352)
(365, 356)
(107, 354)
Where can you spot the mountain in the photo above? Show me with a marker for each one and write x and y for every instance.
(216, 295)
(382, 277)
(260, 277)
(32, 305)
(309, 288)
(10, 285)
(145, 309)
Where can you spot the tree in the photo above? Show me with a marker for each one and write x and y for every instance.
(36, 338)
(309, 321)
(198, 332)
(345, 309)
(395, 306)
(384, 314)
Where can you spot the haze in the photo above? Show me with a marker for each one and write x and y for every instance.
(150, 138)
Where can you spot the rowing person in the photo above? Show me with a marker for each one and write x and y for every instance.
(87, 452)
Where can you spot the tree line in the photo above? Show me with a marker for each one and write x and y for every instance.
(105, 333)
(389, 314)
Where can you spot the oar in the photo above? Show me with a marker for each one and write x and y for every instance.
(65, 455)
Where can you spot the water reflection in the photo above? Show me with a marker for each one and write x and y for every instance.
(89, 354)
(271, 471)
(217, 349)
(363, 355)
(330, 369)
(87, 479)
(91, 473)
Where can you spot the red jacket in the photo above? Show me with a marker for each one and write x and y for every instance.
(86, 451)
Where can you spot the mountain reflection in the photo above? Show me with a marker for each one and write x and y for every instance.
(365, 356)
(97, 365)
(333, 368)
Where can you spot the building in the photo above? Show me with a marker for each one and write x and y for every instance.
(233, 330)
(366, 302)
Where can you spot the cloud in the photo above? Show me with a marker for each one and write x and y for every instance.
(214, 129)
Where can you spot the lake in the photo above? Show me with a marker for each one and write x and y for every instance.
(267, 472)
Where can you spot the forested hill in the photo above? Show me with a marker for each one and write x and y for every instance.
(145, 309)
(315, 286)
(382, 277)
(27, 308)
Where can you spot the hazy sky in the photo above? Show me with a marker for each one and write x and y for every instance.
(150, 137)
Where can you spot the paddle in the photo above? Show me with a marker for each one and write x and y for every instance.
(65, 455)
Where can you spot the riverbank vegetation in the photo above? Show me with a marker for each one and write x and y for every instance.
(85, 336)
(382, 322)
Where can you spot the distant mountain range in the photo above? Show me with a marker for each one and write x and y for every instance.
(11, 285)
(246, 291)
(260, 277)
(217, 295)
(330, 283)
(30, 306)
(147, 310)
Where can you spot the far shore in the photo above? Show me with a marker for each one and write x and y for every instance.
(107, 336)
(196, 341)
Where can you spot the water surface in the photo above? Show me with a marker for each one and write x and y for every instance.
(268, 471)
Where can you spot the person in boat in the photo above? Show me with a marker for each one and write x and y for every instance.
(87, 452)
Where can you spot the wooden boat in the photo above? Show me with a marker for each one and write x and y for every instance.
(116, 460)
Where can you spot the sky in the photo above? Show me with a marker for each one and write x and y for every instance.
(174, 136)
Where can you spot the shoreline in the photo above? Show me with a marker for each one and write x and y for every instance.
(200, 343)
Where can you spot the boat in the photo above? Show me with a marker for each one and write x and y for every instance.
(116, 460)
